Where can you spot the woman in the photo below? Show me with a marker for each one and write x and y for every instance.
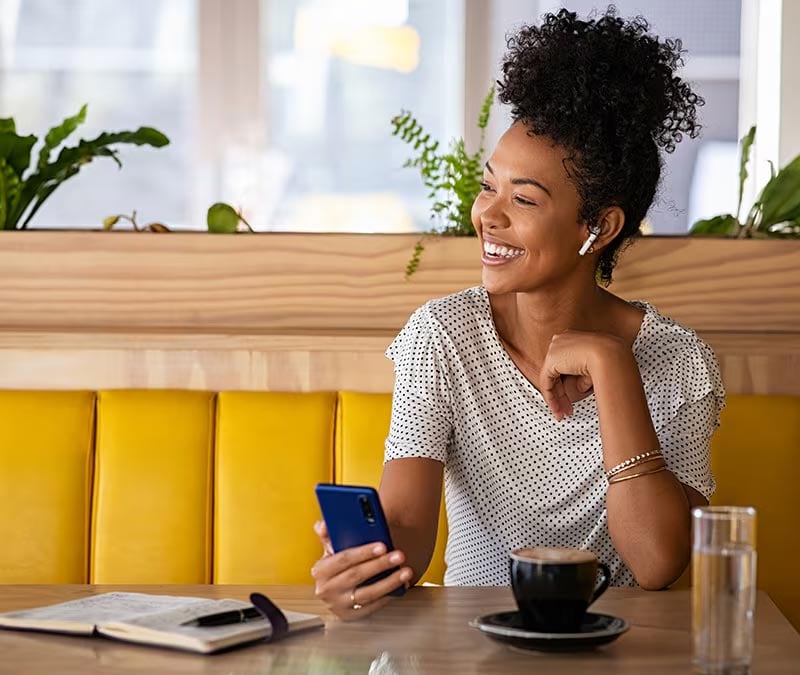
(561, 414)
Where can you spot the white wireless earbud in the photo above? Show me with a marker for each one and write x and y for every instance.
(593, 234)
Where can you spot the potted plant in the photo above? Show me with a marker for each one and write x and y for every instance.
(776, 211)
(222, 218)
(453, 177)
(27, 181)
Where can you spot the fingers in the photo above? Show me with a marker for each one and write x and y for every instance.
(555, 395)
(340, 575)
(366, 595)
(349, 559)
(363, 611)
(322, 532)
(374, 596)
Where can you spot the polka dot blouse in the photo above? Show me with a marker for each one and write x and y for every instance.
(514, 476)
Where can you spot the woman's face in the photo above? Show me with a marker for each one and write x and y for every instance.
(527, 218)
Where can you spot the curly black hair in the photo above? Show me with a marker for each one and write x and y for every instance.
(606, 91)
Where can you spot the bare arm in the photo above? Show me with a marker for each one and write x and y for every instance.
(649, 516)
(411, 492)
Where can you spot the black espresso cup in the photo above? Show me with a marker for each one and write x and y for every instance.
(553, 587)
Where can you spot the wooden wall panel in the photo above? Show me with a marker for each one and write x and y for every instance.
(195, 282)
(316, 363)
(316, 312)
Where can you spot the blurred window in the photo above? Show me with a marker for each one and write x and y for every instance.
(282, 107)
(133, 62)
(699, 179)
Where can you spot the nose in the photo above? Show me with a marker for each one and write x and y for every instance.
(492, 215)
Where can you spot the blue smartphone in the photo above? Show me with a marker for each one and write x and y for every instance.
(354, 517)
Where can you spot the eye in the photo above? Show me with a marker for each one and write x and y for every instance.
(524, 202)
(485, 187)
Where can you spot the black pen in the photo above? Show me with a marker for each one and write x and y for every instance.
(224, 618)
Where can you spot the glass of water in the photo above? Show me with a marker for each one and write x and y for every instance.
(723, 588)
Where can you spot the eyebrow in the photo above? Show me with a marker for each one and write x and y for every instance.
(523, 181)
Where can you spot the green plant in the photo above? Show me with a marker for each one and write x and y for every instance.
(221, 218)
(25, 186)
(776, 211)
(453, 177)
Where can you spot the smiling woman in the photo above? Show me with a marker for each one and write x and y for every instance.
(560, 414)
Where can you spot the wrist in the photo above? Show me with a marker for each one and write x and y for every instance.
(609, 353)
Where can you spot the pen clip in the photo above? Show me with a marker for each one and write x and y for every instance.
(272, 614)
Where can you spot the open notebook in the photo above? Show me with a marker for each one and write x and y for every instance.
(152, 620)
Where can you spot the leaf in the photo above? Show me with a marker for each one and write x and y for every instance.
(38, 187)
(57, 135)
(16, 150)
(222, 218)
(747, 143)
(110, 221)
(8, 124)
(719, 225)
(157, 227)
(780, 198)
(413, 264)
(486, 109)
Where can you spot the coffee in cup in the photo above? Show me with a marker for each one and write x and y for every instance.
(554, 587)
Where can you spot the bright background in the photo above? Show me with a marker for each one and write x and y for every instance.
(282, 107)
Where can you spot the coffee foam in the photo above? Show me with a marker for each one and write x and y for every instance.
(554, 555)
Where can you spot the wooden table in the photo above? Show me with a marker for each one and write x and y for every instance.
(425, 632)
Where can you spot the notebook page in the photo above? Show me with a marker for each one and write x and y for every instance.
(101, 608)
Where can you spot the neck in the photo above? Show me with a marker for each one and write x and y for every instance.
(528, 321)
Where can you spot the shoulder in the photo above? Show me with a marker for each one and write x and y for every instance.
(677, 367)
(662, 339)
(445, 323)
(457, 306)
(451, 313)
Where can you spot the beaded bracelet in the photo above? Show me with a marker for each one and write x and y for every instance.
(632, 465)
(619, 479)
(633, 461)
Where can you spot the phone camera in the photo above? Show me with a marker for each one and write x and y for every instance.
(366, 509)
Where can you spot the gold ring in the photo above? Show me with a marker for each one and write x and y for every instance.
(353, 602)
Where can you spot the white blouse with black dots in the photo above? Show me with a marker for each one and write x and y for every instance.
(514, 476)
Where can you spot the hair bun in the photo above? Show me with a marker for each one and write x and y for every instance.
(568, 71)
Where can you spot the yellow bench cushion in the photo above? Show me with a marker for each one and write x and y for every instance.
(362, 427)
(45, 485)
(152, 488)
(756, 461)
(272, 449)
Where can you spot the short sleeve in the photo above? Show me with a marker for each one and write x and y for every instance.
(421, 423)
(685, 395)
(686, 443)
(687, 373)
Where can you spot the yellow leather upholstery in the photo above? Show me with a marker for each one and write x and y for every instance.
(152, 488)
(272, 449)
(756, 461)
(151, 504)
(362, 427)
(45, 485)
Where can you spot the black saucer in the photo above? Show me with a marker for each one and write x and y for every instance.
(595, 630)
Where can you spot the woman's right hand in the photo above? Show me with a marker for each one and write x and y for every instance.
(338, 575)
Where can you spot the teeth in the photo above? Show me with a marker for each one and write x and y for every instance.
(502, 251)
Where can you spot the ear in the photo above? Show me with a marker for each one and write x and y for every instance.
(610, 223)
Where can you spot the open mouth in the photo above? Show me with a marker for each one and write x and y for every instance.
(501, 252)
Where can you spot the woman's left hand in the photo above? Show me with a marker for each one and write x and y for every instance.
(567, 372)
